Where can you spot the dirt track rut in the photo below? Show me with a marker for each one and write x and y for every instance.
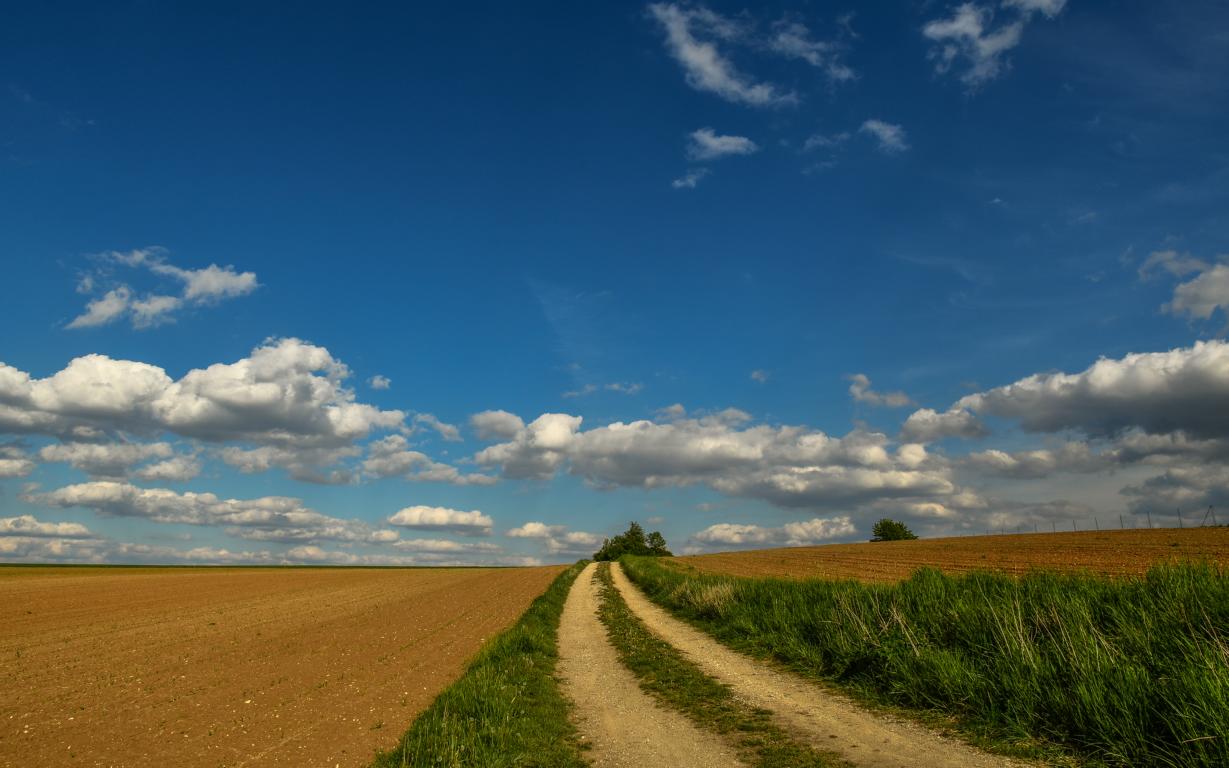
(623, 724)
(818, 716)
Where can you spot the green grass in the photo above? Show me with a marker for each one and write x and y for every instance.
(506, 710)
(664, 673)
(1127, 672)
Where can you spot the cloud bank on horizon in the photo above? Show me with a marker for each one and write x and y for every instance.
(770, 276)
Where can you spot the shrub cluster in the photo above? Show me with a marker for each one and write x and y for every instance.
(1132, 672)
(633, 542)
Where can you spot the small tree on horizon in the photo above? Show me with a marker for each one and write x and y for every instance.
(891, 530)
(633, 542)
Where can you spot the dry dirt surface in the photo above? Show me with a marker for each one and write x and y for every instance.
(1112, 553)
(622, 725)
(812, 713)
(235, 667)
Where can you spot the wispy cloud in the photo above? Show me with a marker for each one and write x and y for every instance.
(200, 287)
(706, 144)
(971, 37)
(692, 34)
(690, 179)
(891, 137)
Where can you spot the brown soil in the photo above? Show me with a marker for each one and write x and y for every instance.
(231, 666)
(1113, 553)
(812, 713)
(622, 724)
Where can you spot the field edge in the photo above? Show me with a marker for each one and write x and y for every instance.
(506, 709)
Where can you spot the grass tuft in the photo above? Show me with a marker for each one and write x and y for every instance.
(665, 673)
(1129, 672)
(506, 710)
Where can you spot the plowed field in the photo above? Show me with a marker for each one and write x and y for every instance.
(232, 667)
(1113, 553)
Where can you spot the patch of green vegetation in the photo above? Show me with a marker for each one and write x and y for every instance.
(1131, 672)
(506, 710)
(633, 541)
(667, 675)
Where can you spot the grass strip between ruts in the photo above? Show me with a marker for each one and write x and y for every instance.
(1130, 672)
(665, 674)
(506, 710)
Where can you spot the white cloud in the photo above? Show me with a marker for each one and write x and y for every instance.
(793, 40)
(1200, 297)
(102, 460)
(201, 287)
(860, 390)
(1049, 8)
(970, 36)
(925, 425)
(625, 388)
(760, 375)
(535, 530)
(820, 140)
(446, 431)
(28, 525)
(492, 425)
(379, 382)
(14, 462)
(705, 144)
(690, 179)
(691, 37)
(787, 466)
(101, 311)
(1177, 264)
(392, 457)
(268, 518)
(794, 534)
(557, 539)
(425, 518)
(444, 546)
(287, 394)
(1182, 390)
(891, 137)
(179, 469)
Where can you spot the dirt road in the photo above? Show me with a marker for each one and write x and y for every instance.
(823, 719)
(224, 667)
(624, 725)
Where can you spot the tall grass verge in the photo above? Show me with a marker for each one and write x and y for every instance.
(666, 674)
(1128, 672)
(506, 710)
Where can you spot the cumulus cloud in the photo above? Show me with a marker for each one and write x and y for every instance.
(860, 390)
(926, 425)
(174, 470)
(891, 137)
(379, 382)
(1183, 390)
(760, 375)
(424, 518)
(28, 525)
(268, 518)
(788, 466)
(200, 287)
(104, 460)
(557, 539)
(392, 457)
(624, 388)
(14, 462)
(1202, 296)
(795, 534)
(706, 144)
(496, 425)
(287, 397)
(692, 37)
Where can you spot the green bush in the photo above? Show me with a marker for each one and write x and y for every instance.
(633, 542)
(891, 530)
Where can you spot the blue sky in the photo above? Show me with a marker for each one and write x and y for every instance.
(482, 284)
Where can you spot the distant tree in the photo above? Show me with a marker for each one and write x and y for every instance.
(633, 542)
(657, 545)
(891, 530)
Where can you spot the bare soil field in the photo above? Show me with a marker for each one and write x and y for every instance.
(231, 666)
(1112, 553)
